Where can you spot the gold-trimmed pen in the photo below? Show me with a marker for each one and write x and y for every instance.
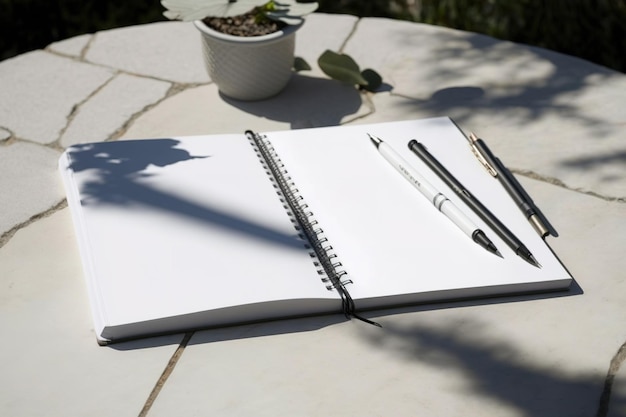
(508, 181)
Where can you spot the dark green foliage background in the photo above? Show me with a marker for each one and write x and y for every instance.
(591, 29)
(32, 24)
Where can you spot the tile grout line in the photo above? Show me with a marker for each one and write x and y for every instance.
(116, 70)
(173, 89)
(76, 108)
(555, 181)
(605, 398)
(87, 47)
(6, 236)
(352, 31)
(169, 368)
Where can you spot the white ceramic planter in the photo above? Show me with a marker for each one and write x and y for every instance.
(249, 68)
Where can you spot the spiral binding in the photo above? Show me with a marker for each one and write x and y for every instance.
(325, 260)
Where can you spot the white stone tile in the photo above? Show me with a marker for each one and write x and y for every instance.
(72, 46)
(196, 111)
(112, 107)
(167, 50)
(29, 182)
(52, 363)
(43, 88)
(539, 355)
(306, 102)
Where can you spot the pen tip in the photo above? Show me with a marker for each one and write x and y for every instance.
(473, 137)
(481, 238)
(533, 261)
(376, 141)
(525, 254)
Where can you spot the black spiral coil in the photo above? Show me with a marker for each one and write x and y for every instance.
(329, 267)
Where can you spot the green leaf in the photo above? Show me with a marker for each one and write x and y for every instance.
(341, 67)
(299, 64)
(374, 80)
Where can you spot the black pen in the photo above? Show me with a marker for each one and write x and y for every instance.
(509, 238)
(497, 169)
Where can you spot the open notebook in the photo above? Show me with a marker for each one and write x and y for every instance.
(195, 232)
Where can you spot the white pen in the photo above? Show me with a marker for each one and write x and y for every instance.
(439, 200)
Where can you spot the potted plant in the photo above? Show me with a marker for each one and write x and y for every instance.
(248, 45)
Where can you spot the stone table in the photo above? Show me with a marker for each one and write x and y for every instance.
(558, 123)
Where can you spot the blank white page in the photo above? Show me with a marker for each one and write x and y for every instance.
(175, 226)
(389, 237)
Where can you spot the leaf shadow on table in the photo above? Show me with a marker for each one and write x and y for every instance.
(592, 162)
(480, 80)
(118, 179)
(306, 102)
(524, 82)
(495, 369)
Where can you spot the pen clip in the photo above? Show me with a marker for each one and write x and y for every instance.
(491, 170)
